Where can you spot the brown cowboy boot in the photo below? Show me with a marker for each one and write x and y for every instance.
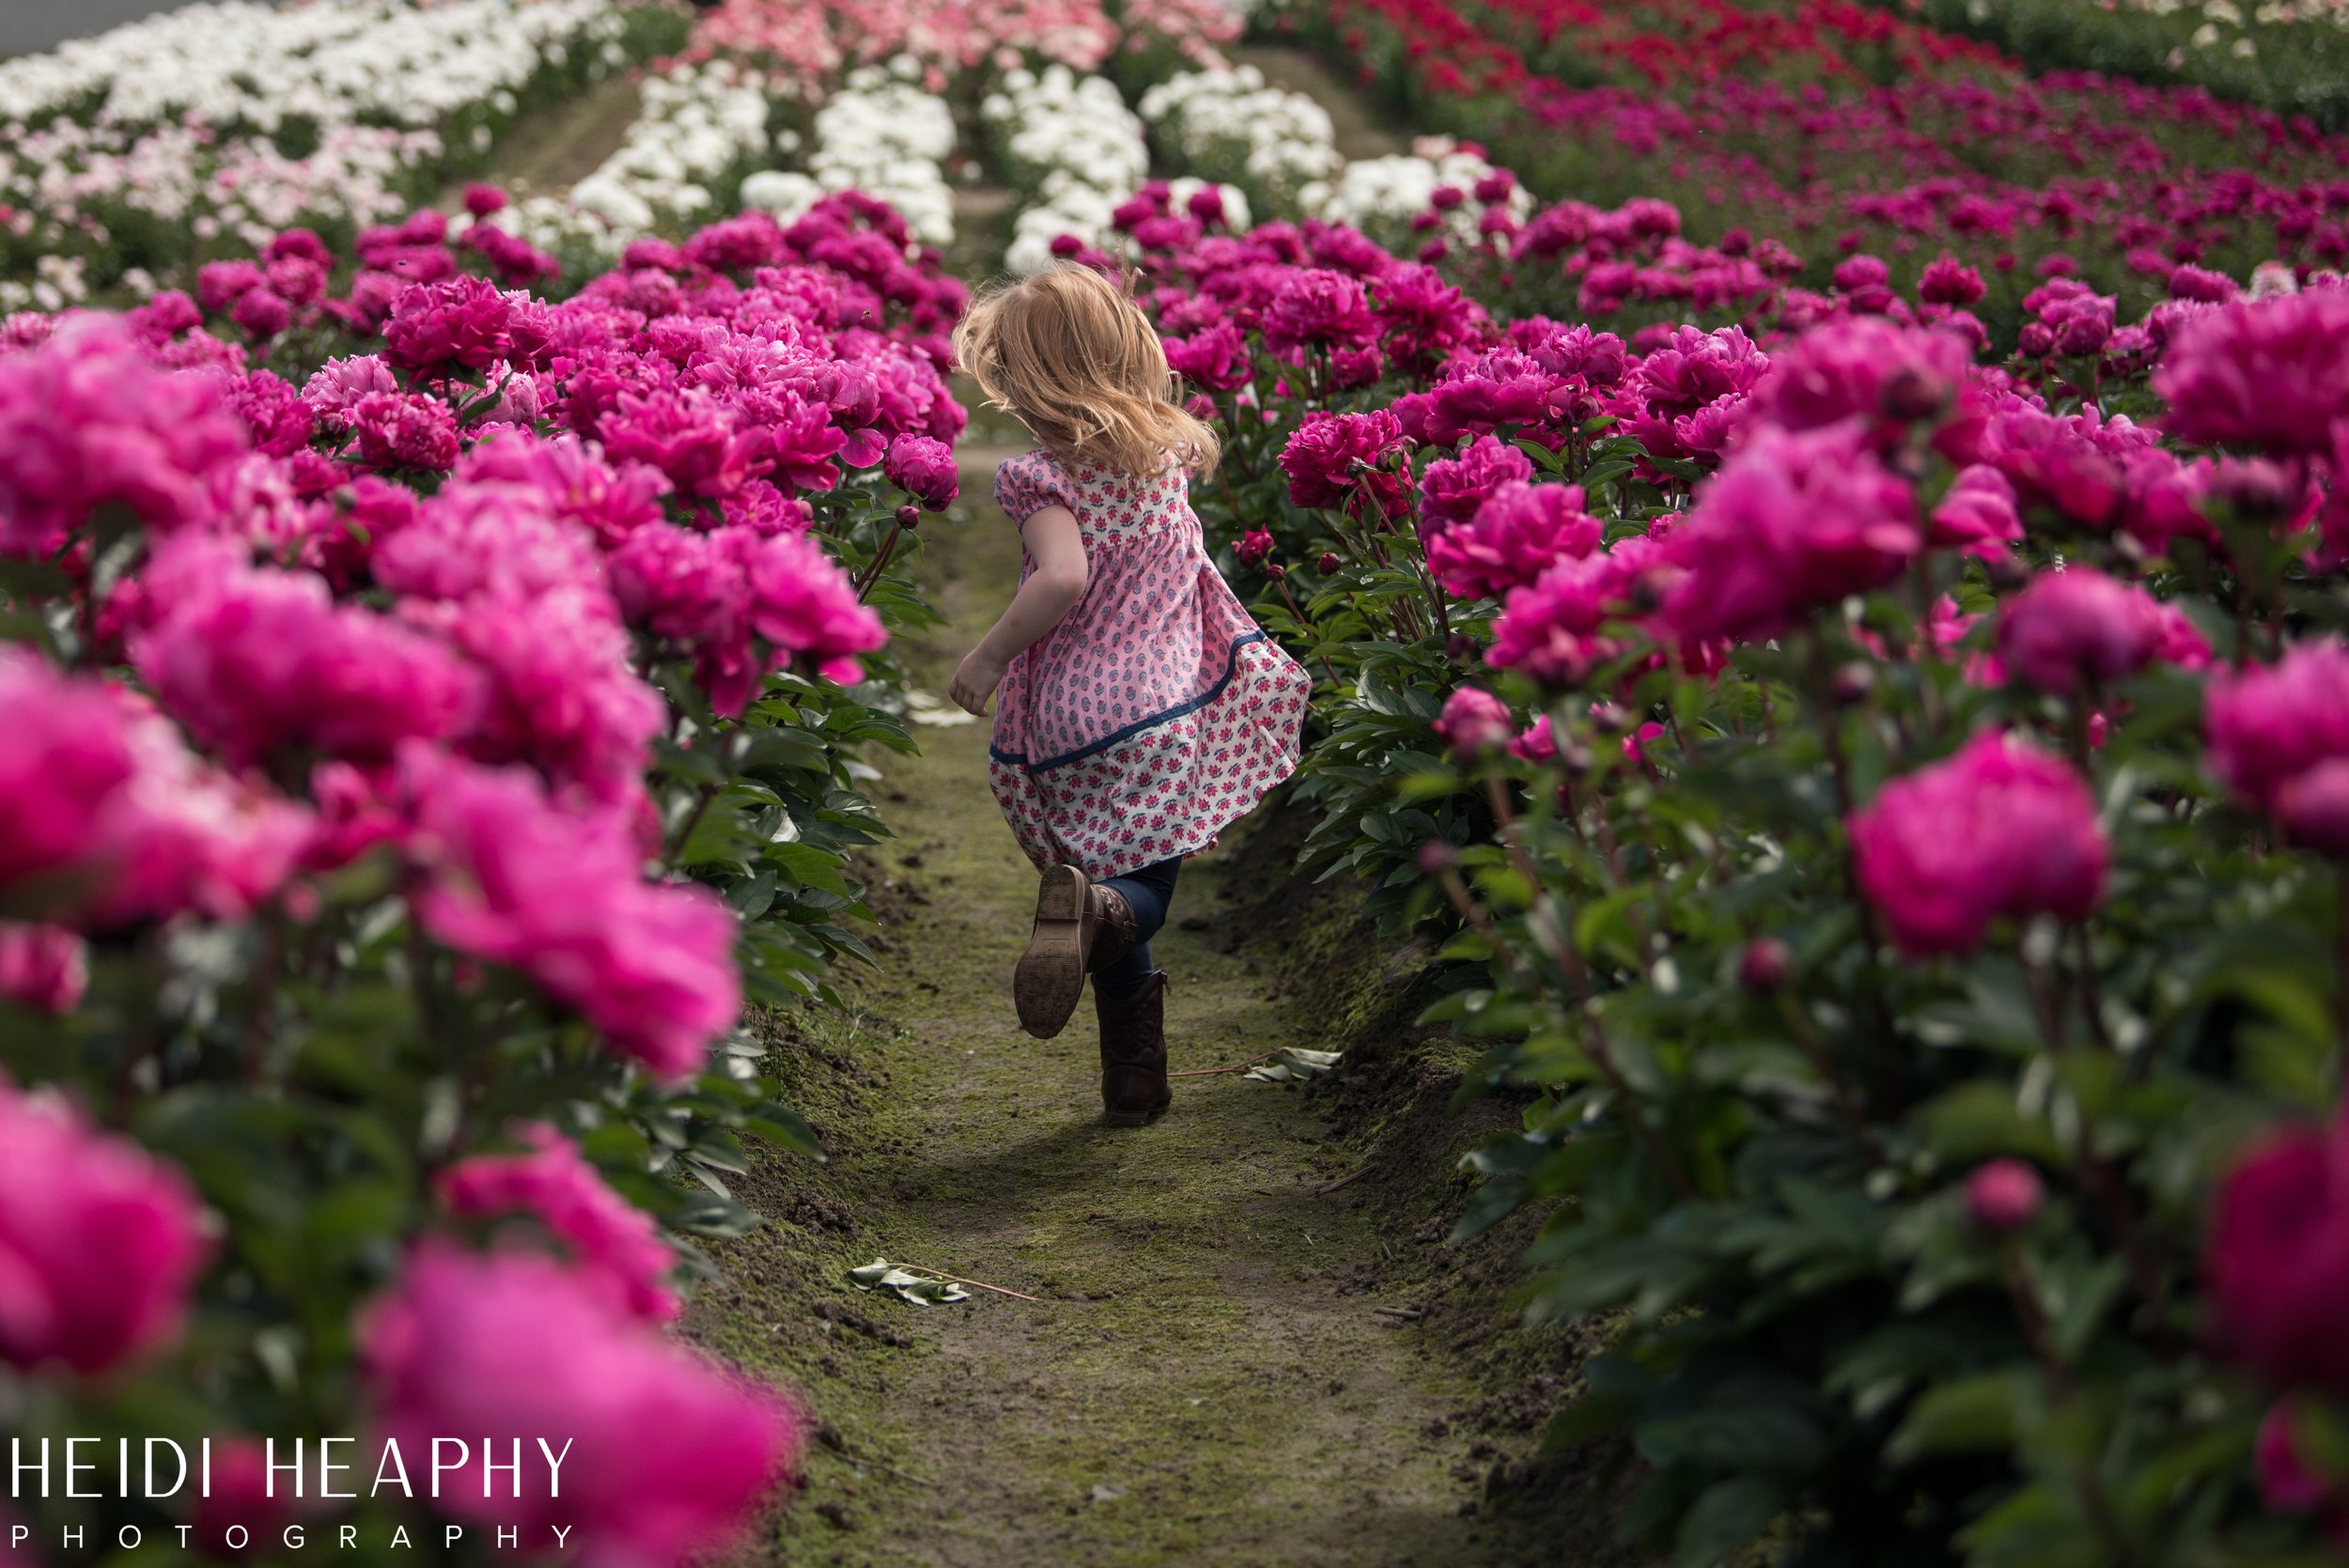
(1051, 974)
(1133, 1054)
(1115, 930)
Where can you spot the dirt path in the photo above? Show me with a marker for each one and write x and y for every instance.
(1205, 1378)
(549, 153)
(1359, 129)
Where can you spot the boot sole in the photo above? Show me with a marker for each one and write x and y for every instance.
(1051, 975)
(1135, 1118)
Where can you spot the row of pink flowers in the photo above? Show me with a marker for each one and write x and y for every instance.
(409, 610)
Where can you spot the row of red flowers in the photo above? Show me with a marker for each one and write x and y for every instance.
(1893, 808)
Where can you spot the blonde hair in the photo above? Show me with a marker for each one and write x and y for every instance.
(1073, 358)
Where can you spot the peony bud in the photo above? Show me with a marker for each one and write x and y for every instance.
(1473, 720)
(2004, 1194)
(1274, 570)
(2256, 489)
(1764, 963)
(1436, 857)
(1910, 395)
(1329, 562)
(2286, 1482)
(909, 516)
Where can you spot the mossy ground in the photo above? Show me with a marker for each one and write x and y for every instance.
(1204, 1378)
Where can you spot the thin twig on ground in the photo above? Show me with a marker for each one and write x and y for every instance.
(976, 1284)
(1234, 1067)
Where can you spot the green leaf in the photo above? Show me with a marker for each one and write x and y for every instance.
(782, 1127)
(922, 1290)
(1727, 1515)
(1974, 1415)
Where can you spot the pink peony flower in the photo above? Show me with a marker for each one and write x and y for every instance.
(335, 387)
(1977, 515)
(403, 430)
(924, 469)
(88, 423)
(2261, 373)
(2314, 807)
(1519, 532)
(1948, 281)
(2004, 1195)
(571, 481)
(67, 760)
(192, 837)
(1862, 366)
(2077, 626)
(2287, 1485)
(1315, 307)
(1338, 459)
(804, 604)
(610, 1239)
(1793, 522)
(557, 688)
(2001, 829)
(44, 968)
(695, 439)
(1550, 627)
(513, 1349)
(1473, 721)
(440, 328)
(1452, 489)
(2277, 1263)
(263, 313)
(1215, 357)
(1254, 546)
(514, 880)
(257, 662)
(100, 1241)
(2279, 737)
(1535, 743)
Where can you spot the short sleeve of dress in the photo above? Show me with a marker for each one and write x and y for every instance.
(1027, 484)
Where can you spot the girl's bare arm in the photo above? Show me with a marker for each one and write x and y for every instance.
(1049, 592)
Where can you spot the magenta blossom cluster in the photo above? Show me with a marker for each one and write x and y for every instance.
(609, 1239)
(1999, 830)
(2279, 737)
(511, 1346)
(99, 1240)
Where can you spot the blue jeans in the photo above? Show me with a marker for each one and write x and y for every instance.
(1147, 893)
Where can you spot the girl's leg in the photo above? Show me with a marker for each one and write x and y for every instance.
(1147, 893)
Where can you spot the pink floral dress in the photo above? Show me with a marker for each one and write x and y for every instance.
(1158, 713)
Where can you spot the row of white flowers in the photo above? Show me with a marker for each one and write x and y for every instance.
(1073, 150)
(883, 133)
(242, 63)
(156, 143)
(1232, 126)
(1382, 196)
